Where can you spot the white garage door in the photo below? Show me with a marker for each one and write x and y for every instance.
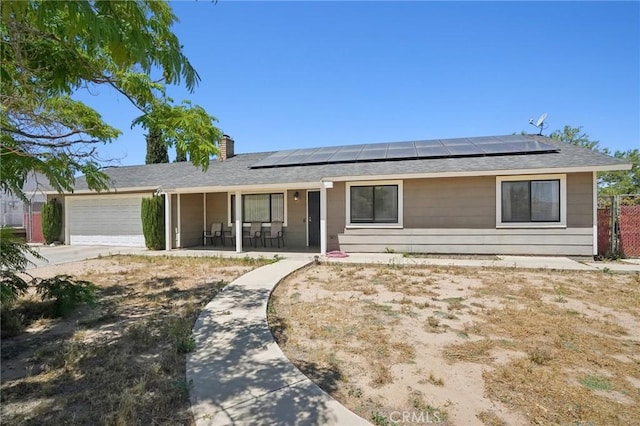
(105, 220)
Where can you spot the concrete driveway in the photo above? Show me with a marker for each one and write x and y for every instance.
(57, 255)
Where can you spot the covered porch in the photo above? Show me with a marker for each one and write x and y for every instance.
(300, 209)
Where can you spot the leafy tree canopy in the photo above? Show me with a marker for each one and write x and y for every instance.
(575, 136)
(610, 183)
(50, 50)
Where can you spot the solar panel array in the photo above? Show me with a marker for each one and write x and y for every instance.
(438, 148)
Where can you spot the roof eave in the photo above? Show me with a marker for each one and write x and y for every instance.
(507, 172)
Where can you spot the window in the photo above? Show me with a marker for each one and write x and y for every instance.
(259, 207)
(534, 201)
(374, 204)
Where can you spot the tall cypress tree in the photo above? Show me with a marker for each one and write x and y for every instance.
(156, 149)
(180, 155)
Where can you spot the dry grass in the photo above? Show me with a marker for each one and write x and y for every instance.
(122, 362)
(555, 347)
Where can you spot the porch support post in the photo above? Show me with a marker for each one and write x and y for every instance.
(179, 220)
(238, 222)
(167, 221)
(204, 212)
(595, 213)
(323, 216)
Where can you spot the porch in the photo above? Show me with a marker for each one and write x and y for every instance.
(189, 217)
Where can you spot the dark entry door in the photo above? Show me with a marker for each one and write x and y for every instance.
(313, 221)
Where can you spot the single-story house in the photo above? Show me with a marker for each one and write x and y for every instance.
(514, 194)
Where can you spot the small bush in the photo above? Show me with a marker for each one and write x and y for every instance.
(180, 330)
(51, 221)
(66, 293)
(540, 356)
(14, 281)
(153, 222)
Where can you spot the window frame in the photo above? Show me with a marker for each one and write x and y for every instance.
(395, 225)
(231, 195)
(562, 223)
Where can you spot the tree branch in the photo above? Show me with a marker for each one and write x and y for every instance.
(59, 145)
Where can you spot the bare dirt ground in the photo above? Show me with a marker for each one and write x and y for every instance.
(465, 346)
(121, 362)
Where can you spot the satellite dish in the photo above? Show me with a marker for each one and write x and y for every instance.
(540, 123)
(541, 120)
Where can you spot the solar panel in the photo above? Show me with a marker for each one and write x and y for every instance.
(273, 159)
(423, 144)
(432, 151)
(373, 152)
(298, 157)
(485, 139)
(458, 147)
(346, 153)
(468, 149)
(322, 155)
(397, 152)
(495, 148)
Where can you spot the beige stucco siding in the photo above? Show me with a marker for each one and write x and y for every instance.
(191, 219)
(450, 203)
(580, 200)
(217, 209)
(336, 218)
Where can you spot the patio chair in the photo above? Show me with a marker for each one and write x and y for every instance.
(216, 232)
(255, 234)
(274, 233)
(229, 234)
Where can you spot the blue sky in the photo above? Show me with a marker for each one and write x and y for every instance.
(281, 75)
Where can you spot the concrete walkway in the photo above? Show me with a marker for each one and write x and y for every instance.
(238, 373)
(517, 262)
(58, 255)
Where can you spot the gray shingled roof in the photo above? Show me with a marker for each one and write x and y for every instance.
(236, 170)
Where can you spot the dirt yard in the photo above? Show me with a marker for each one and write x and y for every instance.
(121, 362)
(410, 345)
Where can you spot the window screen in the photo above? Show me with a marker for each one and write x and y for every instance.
(374, 204)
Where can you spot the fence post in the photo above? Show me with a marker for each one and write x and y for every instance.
(615, 230)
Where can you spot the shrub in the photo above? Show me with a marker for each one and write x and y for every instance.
(51, 221)
(153, 222)
(14, 280)
(66, 292)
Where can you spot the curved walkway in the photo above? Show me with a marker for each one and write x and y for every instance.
(238, 373)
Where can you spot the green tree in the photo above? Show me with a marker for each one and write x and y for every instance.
(609, 183)
(51, 50)
(152, 212)
(51, 221)
(575, 136)
(14, 280)
(622, 181)
(156, 149)
(180, 155)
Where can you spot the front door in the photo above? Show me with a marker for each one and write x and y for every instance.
(313, 219)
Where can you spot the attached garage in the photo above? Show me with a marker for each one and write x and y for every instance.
(112, 220)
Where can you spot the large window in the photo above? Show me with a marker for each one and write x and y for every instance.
(264, 208)
(532, 201)
(374, 204)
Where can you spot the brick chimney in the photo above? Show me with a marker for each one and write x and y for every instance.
(225, 147)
